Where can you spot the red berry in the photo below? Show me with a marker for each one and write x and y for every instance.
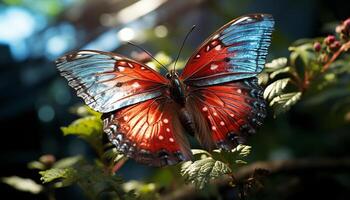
(329, 39)
(317, 46)
(335, 46)
(347, 23)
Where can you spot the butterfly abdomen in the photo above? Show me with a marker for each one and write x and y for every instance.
(187, 121)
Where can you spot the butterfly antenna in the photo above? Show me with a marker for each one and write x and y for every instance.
(183, 43)
(148, 53)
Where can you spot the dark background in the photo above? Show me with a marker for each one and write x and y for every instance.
(35, 100)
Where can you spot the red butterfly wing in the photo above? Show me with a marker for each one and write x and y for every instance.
(139, 114)
(109, 81)
(231, 111)
(222, 91)
(236, 51)
(149, 132)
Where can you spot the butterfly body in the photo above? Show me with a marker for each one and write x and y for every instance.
(216, 98)
(176, 88)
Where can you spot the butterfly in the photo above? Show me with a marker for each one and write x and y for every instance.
(216, 98)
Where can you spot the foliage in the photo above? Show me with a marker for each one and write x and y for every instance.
(23, 184)
(213, 165)
(312, 65)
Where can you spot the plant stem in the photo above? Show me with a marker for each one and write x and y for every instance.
(343, 48)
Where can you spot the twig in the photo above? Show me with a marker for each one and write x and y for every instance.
(343, 48)
(288, 167)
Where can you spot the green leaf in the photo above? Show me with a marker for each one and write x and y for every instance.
(23, 184)
(36, 165)
(88, 128)
(263, 78)
(113, 155)
(280, 71)
(68, 162)
(92, 179)
(241, 151)
(283, 102)
(200, 172)
(234, 157)
(95, 181)
(64, 177)
(275, 88)
(146, 191)
(305, 52)
(84, 111)
(276, 64)
(199, 151)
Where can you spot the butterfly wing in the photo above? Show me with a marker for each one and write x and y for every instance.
(139, 116)
(221, 83)
(230, 111)
(236, 51)
(149, 132)
(109, 81)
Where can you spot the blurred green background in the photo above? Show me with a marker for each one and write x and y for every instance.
(35, 100)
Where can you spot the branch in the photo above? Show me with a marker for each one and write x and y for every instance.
(288, 167)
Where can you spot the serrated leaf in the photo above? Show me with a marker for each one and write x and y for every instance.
(199, 151)
(88, 128)
(67, 176)
(263, 78)
(276, 64)
(275, 88)
(23, 184)
(283, 102)
(304, 51)
(234, 157)
(280, 71)
(242, 150)
(200, 172)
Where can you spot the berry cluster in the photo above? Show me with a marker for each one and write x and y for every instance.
(332, 43)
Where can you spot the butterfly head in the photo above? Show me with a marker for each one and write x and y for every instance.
(172, 75)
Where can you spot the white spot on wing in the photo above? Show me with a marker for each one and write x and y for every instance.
(215, 114)
(125, 118)
(198, 56)
(167, 129)
(205, 109)
(165, 120)
(121, 69)
(213, 128)
(239, 91)
(171, 139)
(214, 66)
(222, 123)
(218, 47)
(160, 137)
(143, 68)
(136, 85)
